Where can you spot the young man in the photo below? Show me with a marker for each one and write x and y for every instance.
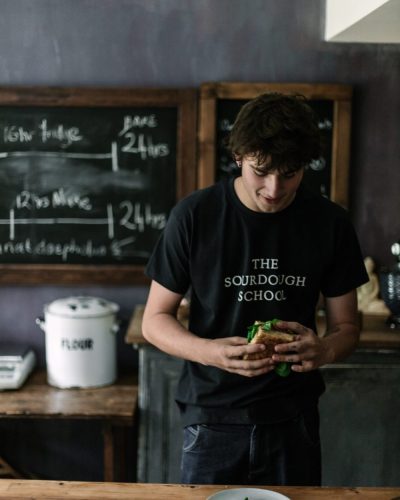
(256, 247)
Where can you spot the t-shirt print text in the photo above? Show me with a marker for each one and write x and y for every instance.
(265, 275)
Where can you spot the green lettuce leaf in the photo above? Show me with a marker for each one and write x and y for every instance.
(281, 369)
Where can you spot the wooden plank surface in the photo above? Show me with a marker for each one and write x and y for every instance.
(46, 490)
(245, 90)
(37, 399)
(374, 333)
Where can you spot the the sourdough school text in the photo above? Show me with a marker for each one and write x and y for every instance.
(273, 283)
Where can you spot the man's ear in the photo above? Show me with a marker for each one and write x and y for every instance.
(238, 159)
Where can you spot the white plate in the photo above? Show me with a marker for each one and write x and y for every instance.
(251, 493)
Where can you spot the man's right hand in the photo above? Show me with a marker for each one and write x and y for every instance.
(161, 328)
(227, 354)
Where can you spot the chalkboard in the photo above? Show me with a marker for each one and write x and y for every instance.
(88, 178)
(221, 102)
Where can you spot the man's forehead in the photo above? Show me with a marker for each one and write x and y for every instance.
(259, 160)
(268, 164)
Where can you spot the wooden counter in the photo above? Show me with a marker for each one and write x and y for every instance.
(114, 405)
(42, 490)
(375, 334)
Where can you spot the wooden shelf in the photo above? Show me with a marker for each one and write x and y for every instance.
(375, 334)
(114, 405)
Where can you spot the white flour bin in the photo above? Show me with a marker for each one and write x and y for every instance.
(80, 341)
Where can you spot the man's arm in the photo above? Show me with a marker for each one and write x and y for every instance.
(309, 351)
(161, 328)
(343, 327)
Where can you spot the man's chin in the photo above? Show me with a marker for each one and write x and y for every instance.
(265, 205)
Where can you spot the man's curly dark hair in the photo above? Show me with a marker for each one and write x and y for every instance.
(279, 126)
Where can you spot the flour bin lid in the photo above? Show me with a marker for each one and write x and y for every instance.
(81, 307)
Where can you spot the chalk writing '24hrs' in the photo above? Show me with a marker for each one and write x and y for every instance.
(142, 143)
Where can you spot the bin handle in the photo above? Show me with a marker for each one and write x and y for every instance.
(41, 323)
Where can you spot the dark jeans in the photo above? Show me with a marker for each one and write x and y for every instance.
(282, 453)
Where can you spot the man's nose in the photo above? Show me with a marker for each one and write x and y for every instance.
(272, 184)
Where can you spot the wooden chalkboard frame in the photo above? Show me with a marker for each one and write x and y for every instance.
(341, 95)
(185, 101)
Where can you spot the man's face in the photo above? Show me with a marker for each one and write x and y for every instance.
(262, 190)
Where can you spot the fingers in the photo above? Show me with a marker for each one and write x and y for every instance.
(295, 346)
(305, 366)
(237, 347)
(233, 349)
(235, 340)
(233, 353)
(293, 327)
(251, 368)
(303, 353)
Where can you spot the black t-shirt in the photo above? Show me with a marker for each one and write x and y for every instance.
(243, 266)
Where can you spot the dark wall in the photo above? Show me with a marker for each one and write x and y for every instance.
(186, 42)
(182, 43)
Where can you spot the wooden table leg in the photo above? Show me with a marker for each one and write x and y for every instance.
(119, 451)
(7, 471)
(109, 452)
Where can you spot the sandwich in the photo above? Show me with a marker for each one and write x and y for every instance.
(265, 332)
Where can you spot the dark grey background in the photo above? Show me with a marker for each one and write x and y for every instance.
(183, 43)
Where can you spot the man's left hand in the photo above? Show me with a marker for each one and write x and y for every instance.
(308, 352)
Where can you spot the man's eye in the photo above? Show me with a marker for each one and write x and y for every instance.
(289, 175)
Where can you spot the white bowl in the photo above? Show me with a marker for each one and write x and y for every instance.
(250, 493)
